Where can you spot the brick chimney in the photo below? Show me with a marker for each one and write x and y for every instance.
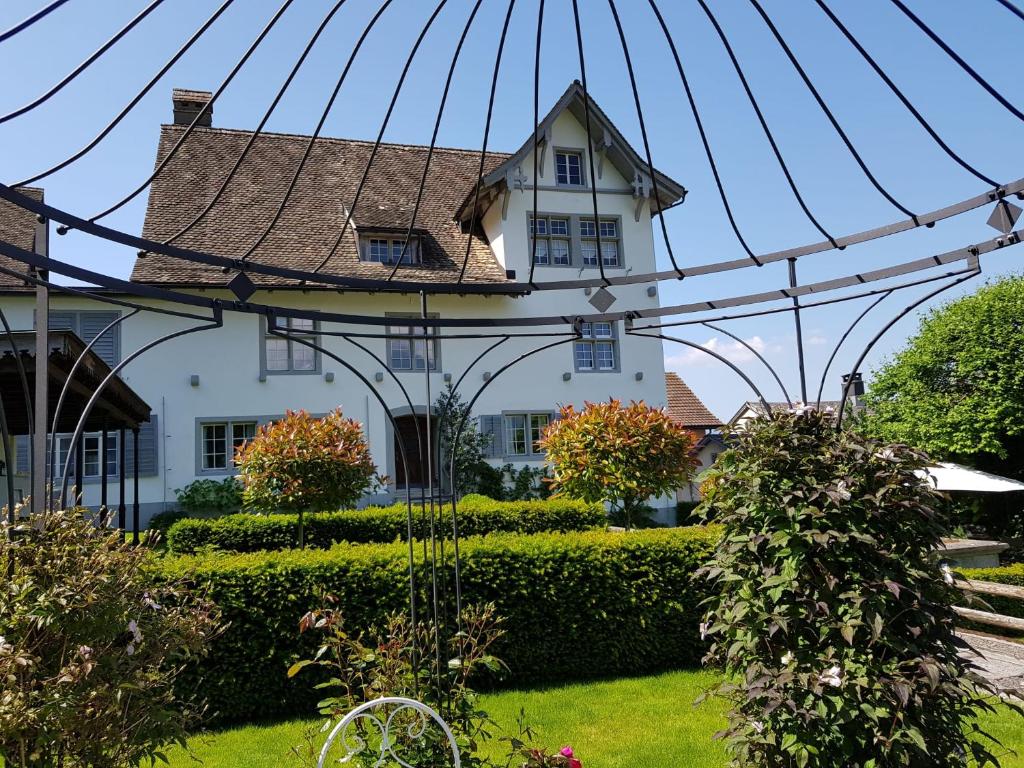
(188, 104)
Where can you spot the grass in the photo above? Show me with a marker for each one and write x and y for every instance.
(647, 722)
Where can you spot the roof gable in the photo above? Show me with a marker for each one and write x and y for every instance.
(685, 408)
(17, 227)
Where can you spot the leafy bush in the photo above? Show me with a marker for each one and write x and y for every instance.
(828, 607)
(90, 647)
(477, 515)
(1007, 574)
(304, 464)
(210, 496)
(576, 605)
(621, 455)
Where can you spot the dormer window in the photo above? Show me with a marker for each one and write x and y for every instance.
(568, 168)
(386, 249)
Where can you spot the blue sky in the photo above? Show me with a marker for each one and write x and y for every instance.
(896, 149)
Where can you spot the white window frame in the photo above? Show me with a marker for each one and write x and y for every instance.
(597, 338)
(405, 326)
(568, 153)
(531, 428)
(393, 248)
(589, 241)
(542, 230)
(230, 438)
(298, 327)
(65, 448)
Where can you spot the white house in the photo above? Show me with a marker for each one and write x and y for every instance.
(209, 390)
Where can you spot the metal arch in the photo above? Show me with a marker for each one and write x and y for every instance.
(643, 134)
(874, 340)
(28, 22)
(351, 209)
(244, 260)
(387, 754)
(758, 355)
(487, 133)
(131, 104)
(216, 322)
(536, 132)
(263, 121)
(849, 330)
(51, 465)
(195, 121)
(26, 392)
(199, 257)
(433, 137)
(154, 4)
(722, 359)
(405, 464)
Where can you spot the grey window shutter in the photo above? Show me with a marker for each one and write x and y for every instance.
(108, 347)
(148, 433)
(490, 426)
(21, 454)
(63, 321)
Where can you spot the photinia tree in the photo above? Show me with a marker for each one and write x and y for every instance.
(303, 463)
(619, 454)
(829, 610)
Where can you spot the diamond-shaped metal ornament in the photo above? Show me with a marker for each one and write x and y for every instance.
(602, 299)
(1004, 216)
(242, 286)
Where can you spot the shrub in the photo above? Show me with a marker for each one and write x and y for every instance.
(304, 464)
(576, 605)
(828, 607)
(210, 496)
(621, 455)
(477, 515)
(90, 647)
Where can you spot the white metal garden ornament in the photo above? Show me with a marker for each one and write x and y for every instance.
(370, 714)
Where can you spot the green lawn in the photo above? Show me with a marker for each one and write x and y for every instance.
(647, 722)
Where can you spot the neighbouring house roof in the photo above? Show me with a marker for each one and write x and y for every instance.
(316, 211)
(685, 408)
(17, 227)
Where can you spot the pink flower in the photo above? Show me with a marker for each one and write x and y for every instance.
(573, 762)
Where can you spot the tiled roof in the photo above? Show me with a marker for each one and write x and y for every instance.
(685, 408)
(17, 227)
(316, 210)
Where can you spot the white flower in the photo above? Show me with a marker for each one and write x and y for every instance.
(947, 573)
(788, 658)
(131, 649)
(136, 633)
(800, 408)
(758, 726)
(843, 491)
(84, 651)
(703, 630)
(833, 677)
(149, 602)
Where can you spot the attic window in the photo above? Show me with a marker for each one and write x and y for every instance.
(569, 168)
(384, 249)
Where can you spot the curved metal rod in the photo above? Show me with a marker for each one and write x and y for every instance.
(703, 135)
(536, 131)
(835, 350)
(351, 209)
(764, 126)
(902, 97)
(487, 135)
(131, 104)
(263, 122)
(956, 57)
(244, 260)
(217, 322)
(1012, 8)
(195, 121)
(874, 340)
(28, 22)
(590, 138)
(84, 65)
(355, 283)
(25, 391)
(6, 435)
(643, 134)
(433, 137)
(735, 369)
(51, 465)
(758, 355)
(828, 112)
(405, 467)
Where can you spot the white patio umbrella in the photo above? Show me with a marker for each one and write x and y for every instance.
(946, 476)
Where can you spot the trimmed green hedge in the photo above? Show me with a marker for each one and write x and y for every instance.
(576, 605)
(1007, 574)
(478, 515)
